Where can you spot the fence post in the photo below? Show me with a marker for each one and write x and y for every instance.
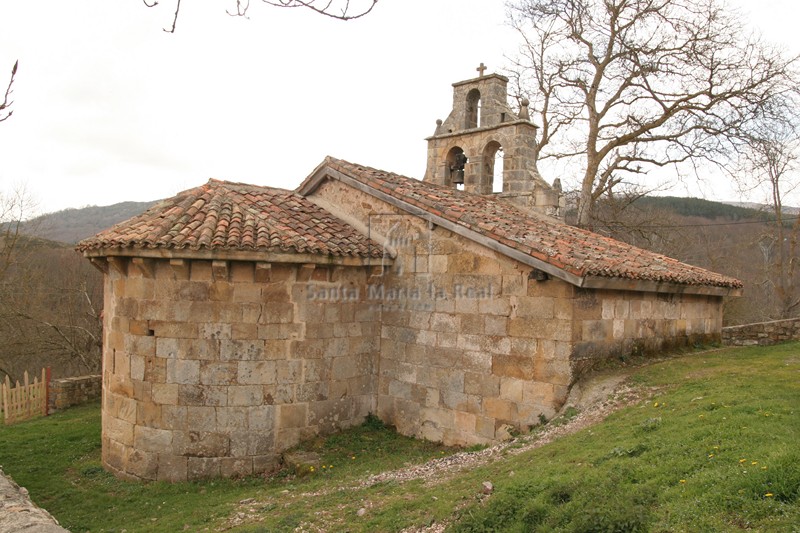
(6, 388)
(46, 375)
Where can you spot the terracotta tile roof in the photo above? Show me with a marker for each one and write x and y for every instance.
(574, 250)
(222, 215)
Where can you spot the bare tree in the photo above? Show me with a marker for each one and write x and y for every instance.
(768, 161)
(5, 112)
(624, 86)
(337, 9)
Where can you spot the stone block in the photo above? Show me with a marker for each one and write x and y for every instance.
(511, 389)
(202, 468)
(315, 391)
(148, 414)
(597, 330)
(122, 363)
(140, 345)
(400, 389)
(220, 291)
(266, 463)
(316, 369)
(199, 349)
(174, 330)
(535, 307)
(201, 418)
(289, 371)
(114, 454)
(137, 367)
(142, 464)
(513, 366)
(245, 395)
(118, 430)
(251, 312)
(167, 348)
(215, 373)
(292, 415)
(165, 393)
(465, 422)
(181, 371)
(231, 418)
(241, 350)
(152, 440)
(241, 331)
(124, 408)
(278, 313)
(331, 415)
(513, 284)
(481, 384)
(257, 372)
(261, 417)
(538, 393)
(172, 468)
(201, 444)
(242, 272)
(500, 409)
(556, 371)
(278, 394)
(459, 401)
(215, 330)
(174, 417)
(202, 395)
(480, 362)
(497, 306)
(235, 467)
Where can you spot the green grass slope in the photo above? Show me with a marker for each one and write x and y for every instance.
(713, 448)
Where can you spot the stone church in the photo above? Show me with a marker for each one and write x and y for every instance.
(241, 319)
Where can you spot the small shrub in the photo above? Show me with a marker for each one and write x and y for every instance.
(651, 424)
(374, 423)
(620, 517)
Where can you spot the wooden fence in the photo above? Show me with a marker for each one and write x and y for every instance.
(26, 400)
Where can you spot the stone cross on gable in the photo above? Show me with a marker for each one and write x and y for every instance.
(481, 69)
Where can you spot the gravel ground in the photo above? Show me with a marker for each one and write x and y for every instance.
(595, 399)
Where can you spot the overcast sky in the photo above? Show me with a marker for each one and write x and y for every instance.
(109, 108)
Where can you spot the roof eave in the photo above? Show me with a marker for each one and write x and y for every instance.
(236, 255)
(324, 171)
(640, 285)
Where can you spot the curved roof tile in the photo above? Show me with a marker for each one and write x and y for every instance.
(222, 215)
(574, 250)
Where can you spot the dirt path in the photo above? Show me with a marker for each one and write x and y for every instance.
(594, 398)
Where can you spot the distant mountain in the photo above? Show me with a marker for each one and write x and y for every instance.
(697, 207)
(72, 225)
(762, 207)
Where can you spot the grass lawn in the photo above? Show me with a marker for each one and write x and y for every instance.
(715, 448)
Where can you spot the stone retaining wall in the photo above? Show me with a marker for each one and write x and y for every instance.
(78, 390)
(762, 333)
(19, 514)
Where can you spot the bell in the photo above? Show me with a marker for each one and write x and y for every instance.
(458, 177)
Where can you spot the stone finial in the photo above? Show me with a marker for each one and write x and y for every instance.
(438, 126)
(523, 109)
(481, 69)
(557, 184)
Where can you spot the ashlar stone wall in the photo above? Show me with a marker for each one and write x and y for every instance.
(213, 368)
(470, 347)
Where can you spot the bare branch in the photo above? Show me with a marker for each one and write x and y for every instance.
(623, 84)
(336, 9)
(6, 103)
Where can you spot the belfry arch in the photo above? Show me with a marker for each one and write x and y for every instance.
(493, 169)
(473, 111)
(455, 164)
